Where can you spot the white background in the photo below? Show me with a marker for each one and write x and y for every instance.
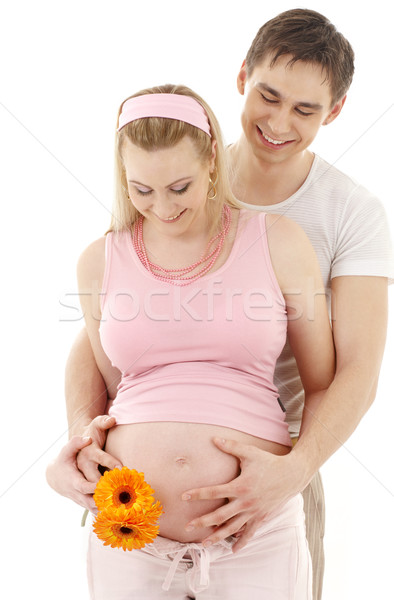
(65, 68)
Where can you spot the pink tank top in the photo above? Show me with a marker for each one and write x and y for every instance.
(200, 353)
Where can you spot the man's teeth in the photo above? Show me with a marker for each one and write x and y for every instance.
(276, 142)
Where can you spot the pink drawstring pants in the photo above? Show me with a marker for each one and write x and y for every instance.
(275, 565)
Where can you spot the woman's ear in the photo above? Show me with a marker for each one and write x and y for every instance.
(213, 157)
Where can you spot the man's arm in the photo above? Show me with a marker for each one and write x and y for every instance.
(359, 313)
(359, 327)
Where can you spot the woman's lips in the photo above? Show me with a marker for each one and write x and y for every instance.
(174, 218)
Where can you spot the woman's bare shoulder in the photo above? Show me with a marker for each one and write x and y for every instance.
(281, 227)
(292, 253)
(91, 262)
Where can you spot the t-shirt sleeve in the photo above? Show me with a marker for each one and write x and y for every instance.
(364, 245)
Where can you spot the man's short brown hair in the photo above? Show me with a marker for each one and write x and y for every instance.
(308, 36)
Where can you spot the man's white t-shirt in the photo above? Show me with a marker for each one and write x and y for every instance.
(348, 229)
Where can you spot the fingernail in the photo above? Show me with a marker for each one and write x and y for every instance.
(220, 440)
(207, 543)
(189, 527)
(186, 497)
(107, 419)
(86, 439)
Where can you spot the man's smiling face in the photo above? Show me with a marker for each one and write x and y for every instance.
(285, 106)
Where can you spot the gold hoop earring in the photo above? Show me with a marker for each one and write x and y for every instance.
(213, 184)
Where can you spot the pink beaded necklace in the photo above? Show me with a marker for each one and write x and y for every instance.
(182, 276)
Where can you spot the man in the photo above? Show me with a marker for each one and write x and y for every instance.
(294, 79)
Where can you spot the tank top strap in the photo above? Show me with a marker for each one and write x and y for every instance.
(254, 247)
(251, 230)
(116, 259)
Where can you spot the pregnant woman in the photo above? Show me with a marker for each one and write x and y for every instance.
(191, 299)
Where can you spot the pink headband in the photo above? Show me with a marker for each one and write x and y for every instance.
(169, 106)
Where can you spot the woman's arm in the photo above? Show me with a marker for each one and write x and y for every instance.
(96, 373)
(85, 388)
(90, 381)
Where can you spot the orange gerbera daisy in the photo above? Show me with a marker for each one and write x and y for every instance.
(123, 487)
(152, 513)
(124, 528)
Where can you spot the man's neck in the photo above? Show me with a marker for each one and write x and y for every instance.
(255, 181)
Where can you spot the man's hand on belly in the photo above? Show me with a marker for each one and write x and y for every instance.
(74, 472)
(266, 482)
(92, 456)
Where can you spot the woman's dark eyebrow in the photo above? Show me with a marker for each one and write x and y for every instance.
(270, 90)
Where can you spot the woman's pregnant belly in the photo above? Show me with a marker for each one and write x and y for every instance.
(176, 457)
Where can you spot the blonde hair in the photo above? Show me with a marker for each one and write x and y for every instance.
(154, 133)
